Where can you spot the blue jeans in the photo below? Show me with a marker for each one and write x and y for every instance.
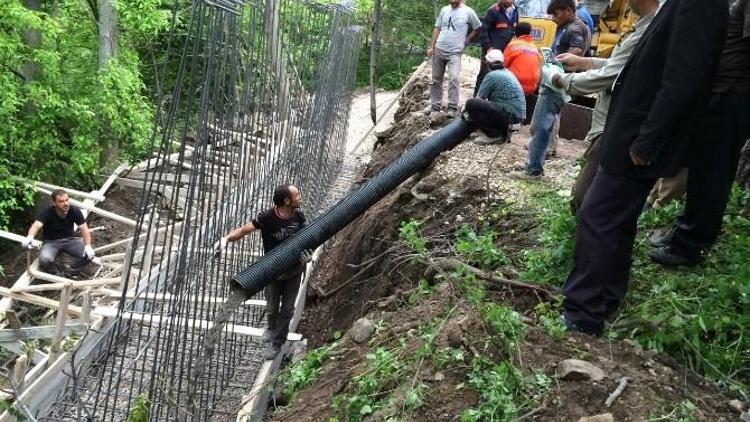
(548, 107)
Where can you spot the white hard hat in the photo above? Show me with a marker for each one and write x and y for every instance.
(494, 56)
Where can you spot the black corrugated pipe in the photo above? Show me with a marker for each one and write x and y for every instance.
(266, 269)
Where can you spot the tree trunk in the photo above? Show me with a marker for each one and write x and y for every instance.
(374, 45)
(743, 172)
(107, 32)
(108, 35)
(33, 39)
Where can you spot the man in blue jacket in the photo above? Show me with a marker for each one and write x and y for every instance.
(496, 31)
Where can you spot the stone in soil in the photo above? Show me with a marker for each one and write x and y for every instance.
(573, 369)
(605, 417)
(362, 330)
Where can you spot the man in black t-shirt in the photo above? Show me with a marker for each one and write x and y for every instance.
(277, 224)
(58, 236)
(715, 151)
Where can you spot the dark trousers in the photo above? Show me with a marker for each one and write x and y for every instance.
(488, 116)
(587, 173)
(72, 246)
(605, 233)
(280, 298)
(715, 156)
(484, 69)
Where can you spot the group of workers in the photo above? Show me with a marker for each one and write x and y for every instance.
(673, 108)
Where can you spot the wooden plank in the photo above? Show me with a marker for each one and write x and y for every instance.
(37, 300)
(18, 238)
(62, 317)
(33, 333)
(25, 279)
(47, 383)
(103, 213)
(95, 195)
(198, 324)
(13, 321)
(18, 347)
(76, 285)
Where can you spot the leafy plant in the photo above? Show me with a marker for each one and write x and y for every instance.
(304, 372)
(410, 234)
(500, 387)
(479, 250)
(506, 324)
(549, 318)
(140, 410)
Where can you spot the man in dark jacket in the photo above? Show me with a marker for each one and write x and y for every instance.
(715, 150)
(498, 25)
(662, 89)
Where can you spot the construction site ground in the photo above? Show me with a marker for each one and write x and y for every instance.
(431, 338)
(437, 353)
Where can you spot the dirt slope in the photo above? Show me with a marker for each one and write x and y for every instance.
(441, 346)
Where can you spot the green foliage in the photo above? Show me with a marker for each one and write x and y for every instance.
(506, 323)
(442, 358)
(682, 413)
(383, 369)
(697, 315)
(6, 405)
(410, 234)
(472, 287)
(304, 372)
(552, 261)
(414, 397)
(140, 410)
(479, 250)
(422, 290)
(59, 110)
(549, 318)
(500, 387)
(406, 27)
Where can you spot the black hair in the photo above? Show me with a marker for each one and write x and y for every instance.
(57, 192)
(496, 65)
(281, 193)
(523, 28)
(555, 5)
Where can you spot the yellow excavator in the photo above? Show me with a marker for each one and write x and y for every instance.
(612, 21)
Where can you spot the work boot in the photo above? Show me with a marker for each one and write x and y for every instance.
(572, 327)
(429, 109)
(668, 257)
(661, 238)
(451, 113)
(271, 351)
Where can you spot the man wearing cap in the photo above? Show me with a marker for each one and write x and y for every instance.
(499, 103)
(446, 46)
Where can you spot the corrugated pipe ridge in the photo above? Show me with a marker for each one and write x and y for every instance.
(266, 269)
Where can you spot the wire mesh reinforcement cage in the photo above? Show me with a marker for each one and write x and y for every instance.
(258, 94)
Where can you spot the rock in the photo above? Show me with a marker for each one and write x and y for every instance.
(439, 376)
(604, 417)
(745, 417)
(737, 405)
(299, 350)
(572, 369)
(362, 330)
